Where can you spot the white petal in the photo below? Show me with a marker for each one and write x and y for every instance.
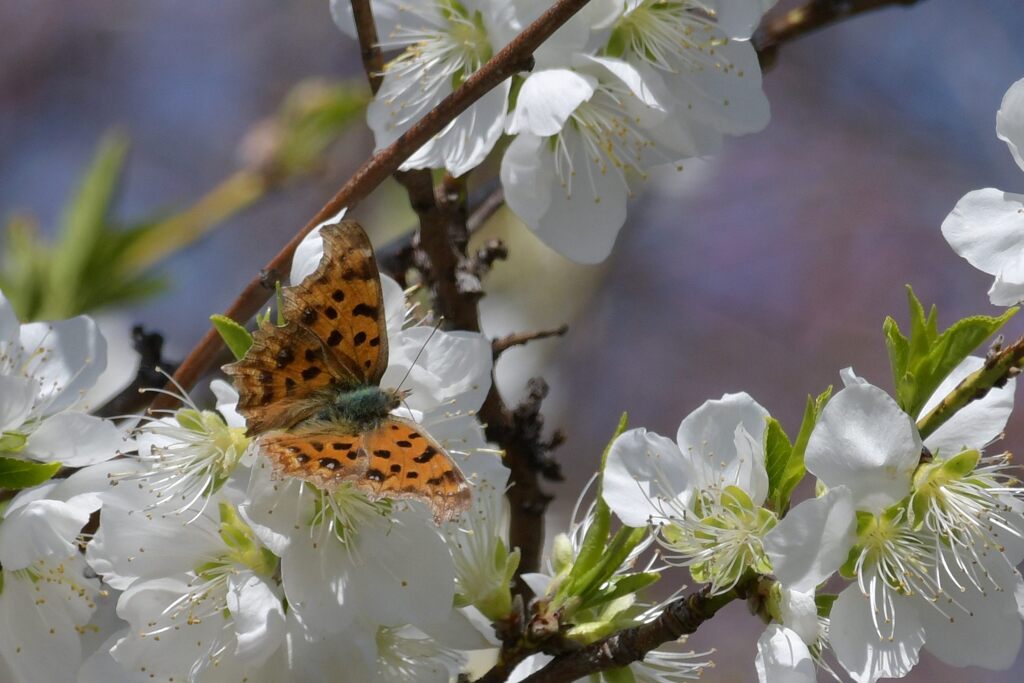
(1010, 121)
(528, 666)
(39, 640)
(42, 529)
(989, 636)
(644, 83)
(394, 305)
(865, 442)
(311, 250)
(850, 377)
(458, 631)
(448, 366)
(739, 18)
(537, 582)
(275, 510)
(100, 667)
(987, 228)
(547, 99)
(978, 423)
(782, 657)
(227, 403)
(528, 177)
(16, 398)
(69, 357)
(389, 588)
(259, 617)
(75, 439)
(724, 442)
(133, 544)
(813, 540)
(122, 361)
(859, 649)
(728, 97)
(318, 584)
(800, 614)
(469, 138)
(584, 216)
(1005, 293)
(9, 325)
(644, 470)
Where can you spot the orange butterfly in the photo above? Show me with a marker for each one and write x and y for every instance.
(311, 388)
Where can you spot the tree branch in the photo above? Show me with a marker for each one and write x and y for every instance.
(780, 27)
(502, 344)
(679, 618)
(1000, 365)
(514, 57)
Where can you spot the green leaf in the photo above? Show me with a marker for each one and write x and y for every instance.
(920, 363)
(621, 675)
(20, 474)
(625, 585)
(85, 222)
(236, 337)
(823, 602)
(777, 450)
(785, 462)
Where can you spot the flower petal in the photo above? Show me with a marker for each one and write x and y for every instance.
(9, 325)
(866, 656)
(782, 657)
(1010, 121)
(41, 529)
(724, 442)
(800, 614)
(259, 617)
(68, 357)
(440, 367)
(865, 442)
(813, 540)
(310, 251)
(643, 472)
(987, 228)
(16, 397)
(547, 99)
(975, 425)
(75, 439)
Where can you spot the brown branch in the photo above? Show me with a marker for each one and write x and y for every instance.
(681, 617)
(502, 344)
(369, 46)
(782, 25)
(514, 57)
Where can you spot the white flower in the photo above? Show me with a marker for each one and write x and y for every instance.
(710, 71)
(443, 43)
(198, 588)
(936, 545)
(47, 598)
(704, 493)
(190, 454)
(987, 226)
(583, 136)
(45, 370)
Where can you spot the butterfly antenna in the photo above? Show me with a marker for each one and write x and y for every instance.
(420, 352)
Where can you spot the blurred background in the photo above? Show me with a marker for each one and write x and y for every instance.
(766, 269)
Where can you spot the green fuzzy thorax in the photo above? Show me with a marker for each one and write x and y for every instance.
(362, 407)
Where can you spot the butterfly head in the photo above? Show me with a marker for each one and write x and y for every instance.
(395, 397)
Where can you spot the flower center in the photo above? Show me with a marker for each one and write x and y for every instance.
(671, 36)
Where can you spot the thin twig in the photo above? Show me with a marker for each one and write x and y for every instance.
(679, 618)
(783, 26)
(514, 57)
(502, 344)
(1000, 365)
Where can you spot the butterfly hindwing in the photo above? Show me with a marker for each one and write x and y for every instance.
(280, 377)
(406, 462)
(323, 458)
(342, 303)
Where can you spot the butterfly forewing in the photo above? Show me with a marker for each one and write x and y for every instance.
(341, 302)
(406, 462)
(325, 458)
(281, 378)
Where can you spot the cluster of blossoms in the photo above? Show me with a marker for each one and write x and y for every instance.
(172, 552)
(210, 568)
(624, 87)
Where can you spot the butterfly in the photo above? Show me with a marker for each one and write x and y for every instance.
(310, 389)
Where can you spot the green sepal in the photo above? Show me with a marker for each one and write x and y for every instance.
(920, 363)
(236, 337)
(12, 442)
(21, 474)
(624, 585)
(621, 675)
(824, 602)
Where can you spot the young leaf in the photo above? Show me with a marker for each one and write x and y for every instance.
(920, 363)
(778, 451)
(236, 337)
(21, 474)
